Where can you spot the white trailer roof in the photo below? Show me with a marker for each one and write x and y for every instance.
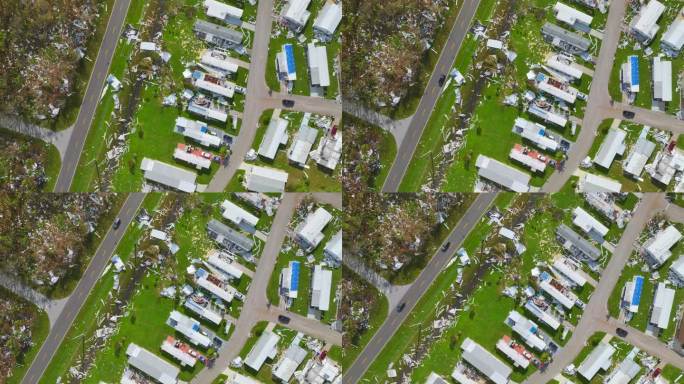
(295, 11)
(645, 22)
(198, 161)
(518, 359)
(662, 306)
(276, 134)
(535, 133)
(236, 214)
(318, 65)
(612, 145)
(567, 300)
(477, 356)
(590, 183)
(224, 266)
(168, 175)
(674, 36)
(328, 18)
(321, 287)
(571, 15)
(571, 273)
(662, 79)
(222, 11)
(225, 293)
(502, 174)
(212, 59)
(599, 358)
(262, 179)
(265, 348)
(535, 165)
(152, 365)
(197, 130)
(564, 68)
(659, 246)
(189, 327)
(184, 358)
(526, 329)
(639, 156)
(311, 230)
(587, 222)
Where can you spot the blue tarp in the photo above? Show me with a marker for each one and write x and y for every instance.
(638, 287)
(294, 278)
(634, 64)
(289, 56)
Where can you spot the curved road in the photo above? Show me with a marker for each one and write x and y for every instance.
(91, 98)
(410, 140)
(79, 295)
(419, 287)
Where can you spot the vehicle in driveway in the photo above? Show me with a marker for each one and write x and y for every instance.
(400, 307)
(283, 319)
(445, 246)
(628, 114)
(287, 103)
(621, 332)
(117, 223)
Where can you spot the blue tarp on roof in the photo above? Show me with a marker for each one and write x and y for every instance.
(289, 56)
(638, 287)
(634, 66)
(294, 278)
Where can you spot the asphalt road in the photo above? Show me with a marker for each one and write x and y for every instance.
(599, 98)
(596, 310)
(431, 94)
(91, 99)
(78, 297)
(419, 287)
(256, 90)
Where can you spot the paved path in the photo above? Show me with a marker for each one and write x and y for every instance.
(432, 91)
(91, 98)
(256, 306)
(419, 287)
(60, 139)
(53, 308)
(599, 98)
(92, 274)
(597, 308)
(397, 128)
(256, 89)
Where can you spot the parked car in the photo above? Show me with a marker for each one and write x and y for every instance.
(117, 223)
(283, 319)
(628, 114)
(621, 332)
(288, 103)
(446, 246)
(441, 80)
(400, 307)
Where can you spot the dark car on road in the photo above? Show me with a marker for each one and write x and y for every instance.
(621, 332)
(117, 223)
(441, 80)
(446, 246)
(287, 103)
(400, 307)
(283, 319)
(628, 114)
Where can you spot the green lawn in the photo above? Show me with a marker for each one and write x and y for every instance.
(46, 153)
(86, 321)
(311, 178)
(39, 329)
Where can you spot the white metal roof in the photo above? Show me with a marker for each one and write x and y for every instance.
(305, 139)
(321, 287)
(567, 299)
(198, 161)
(265, 347)
(677, 268)
(197, 130)
(571, 273)
(318, 65)
(311, 230)
(526, 329)
(624, 373)
(590, 183)
(662, 306)
(564, 68)
(674, 36)
(328, 18)
(152, 365)
(184, 358)
(276, 134)
(295, 11)
(189, 327)
(659, 246)
(262, 179)
(587, 222)
(640, 154)
(535, 133)
(226, 90)
(225, 293)
(502, 174)
(211, 59)
(334, 246)
(168, 175)
(203, 312)
(613, 144)
(477, 356)
(535, 165)
(222, 11)
(237, 214)
(599, 358)
(571, 15)
(291, 359)
(645, 22)
(662, 79)
(568, 94)
(518, 359)
(224, 266)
